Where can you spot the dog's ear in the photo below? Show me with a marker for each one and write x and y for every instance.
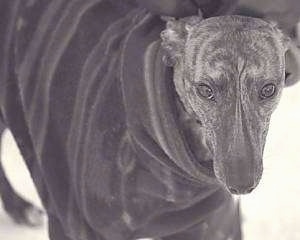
(174, 37)
(292, 64)
(292, 55)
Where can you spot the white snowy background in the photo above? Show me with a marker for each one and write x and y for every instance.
(272, 211)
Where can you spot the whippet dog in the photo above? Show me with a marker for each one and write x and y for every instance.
(135, 128)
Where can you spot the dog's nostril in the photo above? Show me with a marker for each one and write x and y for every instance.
(233, 190)
(241, 190)
(250, 189)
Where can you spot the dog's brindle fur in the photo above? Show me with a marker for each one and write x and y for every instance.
(236, 57)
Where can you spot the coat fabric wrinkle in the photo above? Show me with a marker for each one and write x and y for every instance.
(99, 126)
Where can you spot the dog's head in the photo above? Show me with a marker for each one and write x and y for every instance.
(229, 72)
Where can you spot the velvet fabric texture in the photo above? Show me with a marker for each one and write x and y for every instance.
(92, 108)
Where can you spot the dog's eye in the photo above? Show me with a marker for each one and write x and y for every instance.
(267, 91)
(205, 91)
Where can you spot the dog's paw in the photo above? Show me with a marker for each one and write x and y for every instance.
(33, 216)
(22, 211)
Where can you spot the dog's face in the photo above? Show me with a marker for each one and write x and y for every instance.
(229, 73)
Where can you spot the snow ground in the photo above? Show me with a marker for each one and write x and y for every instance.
(272, 211)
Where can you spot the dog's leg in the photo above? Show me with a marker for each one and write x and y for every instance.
(20, 210)
(198, 233)
(56, 231)
(194, 233)
(223, 224)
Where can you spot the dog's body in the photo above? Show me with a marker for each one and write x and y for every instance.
(91, 105)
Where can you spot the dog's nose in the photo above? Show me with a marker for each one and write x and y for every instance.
(240, 190)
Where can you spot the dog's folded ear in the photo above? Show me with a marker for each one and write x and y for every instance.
(292, 55)
(174, 37)
(173, 41)
(292, 64)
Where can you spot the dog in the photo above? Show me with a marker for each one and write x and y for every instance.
(132, 127)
